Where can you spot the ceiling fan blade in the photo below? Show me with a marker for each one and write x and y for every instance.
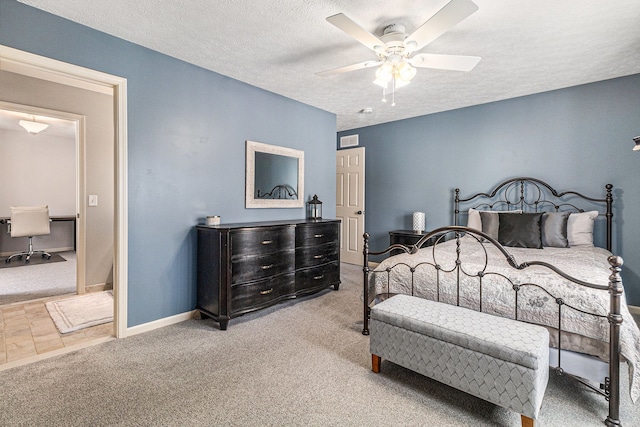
(348, 68)
(451, 14)
(445, 62)
(345, 23)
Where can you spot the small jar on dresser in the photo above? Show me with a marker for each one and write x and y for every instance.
(245, 267)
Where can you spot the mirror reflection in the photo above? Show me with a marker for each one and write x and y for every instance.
(274, 176)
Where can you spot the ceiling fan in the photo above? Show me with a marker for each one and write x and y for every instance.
(395, 48)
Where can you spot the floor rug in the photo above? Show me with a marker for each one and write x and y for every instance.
(82, 311)
(36, 259)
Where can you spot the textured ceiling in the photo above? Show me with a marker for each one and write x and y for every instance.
(527, 46)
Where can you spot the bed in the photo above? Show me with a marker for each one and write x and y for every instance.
(527, 252)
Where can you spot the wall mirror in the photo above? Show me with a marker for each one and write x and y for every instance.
(274, 176)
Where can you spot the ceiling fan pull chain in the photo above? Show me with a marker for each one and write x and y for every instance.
(393, 95)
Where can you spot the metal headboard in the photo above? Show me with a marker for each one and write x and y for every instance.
(534, 195)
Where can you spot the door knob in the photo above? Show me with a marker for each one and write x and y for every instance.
(360, 212)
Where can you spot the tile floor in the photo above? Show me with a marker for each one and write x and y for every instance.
(26, 331)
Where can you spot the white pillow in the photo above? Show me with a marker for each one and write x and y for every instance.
(474, 221)
(580, 228)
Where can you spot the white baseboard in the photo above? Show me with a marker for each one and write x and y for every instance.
(160, 323)
(634, 309)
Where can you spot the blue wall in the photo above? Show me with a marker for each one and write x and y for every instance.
(187, 129)
(579, 138)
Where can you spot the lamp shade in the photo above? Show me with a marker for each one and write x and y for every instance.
(637, 141)
(32, 126)
(419, 221)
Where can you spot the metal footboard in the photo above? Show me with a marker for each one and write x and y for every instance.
(611, 385)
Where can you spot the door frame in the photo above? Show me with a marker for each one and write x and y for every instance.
(20, 62)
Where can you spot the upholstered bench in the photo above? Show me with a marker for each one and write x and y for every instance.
(500, 360)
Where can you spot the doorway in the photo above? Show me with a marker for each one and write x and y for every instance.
(23, 63)
(49, 168)
(350, 203)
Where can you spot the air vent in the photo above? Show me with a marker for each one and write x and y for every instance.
(349, 141)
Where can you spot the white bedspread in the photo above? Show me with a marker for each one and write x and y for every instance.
(586, 333)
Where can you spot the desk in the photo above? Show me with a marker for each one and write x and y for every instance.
(54, 219)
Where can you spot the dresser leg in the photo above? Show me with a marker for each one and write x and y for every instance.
(336, 286)
(223, 324)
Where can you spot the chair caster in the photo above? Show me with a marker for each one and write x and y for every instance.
(8, 260)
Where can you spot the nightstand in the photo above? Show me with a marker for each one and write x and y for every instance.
(407, 238)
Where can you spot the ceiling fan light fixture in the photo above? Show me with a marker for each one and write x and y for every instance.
(406, 72)
(381, 83)
(32, 126)
(401, 83)
(385, 72)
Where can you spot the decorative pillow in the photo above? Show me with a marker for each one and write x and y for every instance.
(553, 229)
(521, 231)
(580, 228)
(490, 223)
(474, 221)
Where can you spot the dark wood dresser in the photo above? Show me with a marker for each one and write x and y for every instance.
(245, 267)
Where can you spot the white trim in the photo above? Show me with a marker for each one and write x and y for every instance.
(634, 309)
(160, 323)
(25, 63)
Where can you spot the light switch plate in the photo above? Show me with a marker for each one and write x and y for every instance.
(93, 200)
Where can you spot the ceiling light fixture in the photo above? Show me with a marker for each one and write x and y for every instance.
(32, 126)
(397, 71)
(396, 50)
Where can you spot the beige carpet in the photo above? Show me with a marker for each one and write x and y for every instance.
(301, 363)
(82, 311)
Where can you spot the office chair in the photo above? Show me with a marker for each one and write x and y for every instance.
(29, 222)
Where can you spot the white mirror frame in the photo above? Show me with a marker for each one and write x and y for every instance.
(250, 200)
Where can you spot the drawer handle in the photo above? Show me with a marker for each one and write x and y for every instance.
(267, 242)
(317, 256)
(266, 292)
(266, 267)
(318, 235)
(318, 277)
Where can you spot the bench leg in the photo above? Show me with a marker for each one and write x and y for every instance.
(375, 364)
(526, 421)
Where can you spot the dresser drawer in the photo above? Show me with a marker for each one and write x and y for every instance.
(309, 256)
(261, 241)
(318, 277)
(316, 234)
(247, 297)
(250, 268)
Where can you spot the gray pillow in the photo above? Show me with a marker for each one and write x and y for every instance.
(553, 229)
(521, 230)
(490, 222)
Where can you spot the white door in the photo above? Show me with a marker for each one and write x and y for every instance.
(350, 203)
